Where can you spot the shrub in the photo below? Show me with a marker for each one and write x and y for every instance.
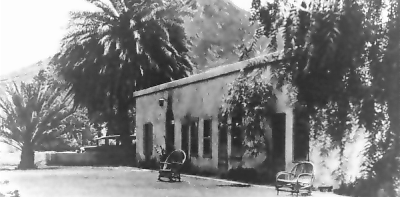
(345, 189)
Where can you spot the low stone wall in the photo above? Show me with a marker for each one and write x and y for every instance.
(71, 158)
(91, 158)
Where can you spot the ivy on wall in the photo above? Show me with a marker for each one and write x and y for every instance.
(250, 98)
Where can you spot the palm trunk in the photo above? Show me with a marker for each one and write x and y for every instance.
(27, 156)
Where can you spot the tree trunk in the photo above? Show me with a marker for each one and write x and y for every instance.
(27, 156)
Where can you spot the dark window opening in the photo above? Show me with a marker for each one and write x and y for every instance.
(169, 127)
(170, 138)
(207, 141)
(194, 139)
(185, 138)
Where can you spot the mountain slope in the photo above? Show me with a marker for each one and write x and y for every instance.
(217, 30)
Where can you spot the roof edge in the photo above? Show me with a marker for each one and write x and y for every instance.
(210, 74)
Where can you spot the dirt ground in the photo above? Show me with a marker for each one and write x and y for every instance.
(124, 181)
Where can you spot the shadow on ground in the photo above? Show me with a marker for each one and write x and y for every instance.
(234, 185)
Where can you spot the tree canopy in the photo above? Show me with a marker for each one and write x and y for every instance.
(32, 113)
(343, 57)
(123, 47)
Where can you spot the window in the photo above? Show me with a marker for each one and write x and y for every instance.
(185, 138)
(207, 143)
(194, 141)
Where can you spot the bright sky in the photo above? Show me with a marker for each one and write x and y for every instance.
(31, 30)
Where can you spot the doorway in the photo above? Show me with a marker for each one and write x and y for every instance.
(148, 141)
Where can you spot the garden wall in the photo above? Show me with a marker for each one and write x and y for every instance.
(71, 158)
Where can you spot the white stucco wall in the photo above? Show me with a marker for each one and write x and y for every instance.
(200, 96)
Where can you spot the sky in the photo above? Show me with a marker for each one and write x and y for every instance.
(31, 30)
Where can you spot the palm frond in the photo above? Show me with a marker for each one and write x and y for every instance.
(119, 6)
(104, 7)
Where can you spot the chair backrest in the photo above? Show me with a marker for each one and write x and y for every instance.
(303, 167)
(176, 156)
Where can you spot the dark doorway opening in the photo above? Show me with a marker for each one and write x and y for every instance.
(301, 135)
(148, 141)
(278, 124)
(223, 145)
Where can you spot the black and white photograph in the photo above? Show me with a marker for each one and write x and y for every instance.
(193, 98)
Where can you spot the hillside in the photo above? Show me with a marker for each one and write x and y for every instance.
(217, 31)
(22, 75)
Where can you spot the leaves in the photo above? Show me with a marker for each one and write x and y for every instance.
(339, 56)
(31, 111)
(251, 98)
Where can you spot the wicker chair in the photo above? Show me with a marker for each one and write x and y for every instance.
(299, 180)
(171, 167)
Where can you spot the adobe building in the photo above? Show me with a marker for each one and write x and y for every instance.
(183, 114)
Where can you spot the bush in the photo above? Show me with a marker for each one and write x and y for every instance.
(346, 189)
(364, 187)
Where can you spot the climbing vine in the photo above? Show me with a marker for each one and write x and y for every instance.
(252, 98)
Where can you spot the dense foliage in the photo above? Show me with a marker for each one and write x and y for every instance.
(343, 58)
(31, 115)
(218, 31)
(122, 47)
(251, 97)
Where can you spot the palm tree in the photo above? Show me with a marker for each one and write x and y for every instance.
(31, 114)
(124, 46)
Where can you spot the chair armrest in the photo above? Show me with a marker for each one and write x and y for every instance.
(305, 175)
(283, 173)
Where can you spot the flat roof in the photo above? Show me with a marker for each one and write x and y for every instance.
(209, 74)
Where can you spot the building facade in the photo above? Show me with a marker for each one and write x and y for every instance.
(184, 114)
